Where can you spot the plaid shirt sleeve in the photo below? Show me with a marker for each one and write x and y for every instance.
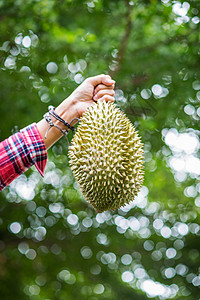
(19, 152)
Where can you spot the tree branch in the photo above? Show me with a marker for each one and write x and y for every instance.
(124, 40)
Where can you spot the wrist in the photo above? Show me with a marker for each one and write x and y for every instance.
(67, 110)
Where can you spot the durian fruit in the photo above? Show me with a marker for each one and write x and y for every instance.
(106, 157)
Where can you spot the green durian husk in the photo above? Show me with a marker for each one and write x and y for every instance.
(106, 157)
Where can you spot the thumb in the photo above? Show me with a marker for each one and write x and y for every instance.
(105, 79)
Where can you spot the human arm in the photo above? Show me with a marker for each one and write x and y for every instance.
(19, 152)
(28, 147)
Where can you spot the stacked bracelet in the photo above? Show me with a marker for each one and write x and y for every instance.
(49, 120)
(52, 112)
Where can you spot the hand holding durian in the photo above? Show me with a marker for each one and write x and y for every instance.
(106, 154)
(76, 104)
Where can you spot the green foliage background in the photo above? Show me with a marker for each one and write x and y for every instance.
(62, 249)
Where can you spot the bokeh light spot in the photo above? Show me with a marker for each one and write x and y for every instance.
(52, 67)
(26, 42)
(127, 276)
(99, 289)
(15, 227)
(126, 259)
(86, 252)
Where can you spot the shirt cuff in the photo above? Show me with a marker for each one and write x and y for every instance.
(35, 146)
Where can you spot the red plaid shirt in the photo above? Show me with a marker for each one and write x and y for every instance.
(19, 152)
